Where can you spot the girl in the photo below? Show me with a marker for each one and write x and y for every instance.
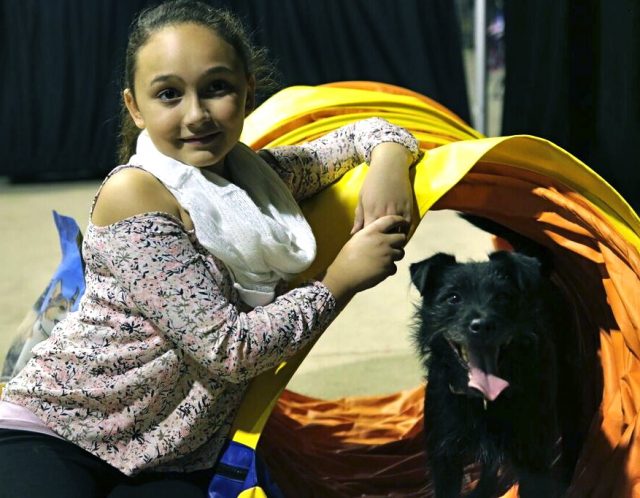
(187, 245)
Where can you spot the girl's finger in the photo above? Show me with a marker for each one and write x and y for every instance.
(389, 223)
(397, 254)
(398, 240)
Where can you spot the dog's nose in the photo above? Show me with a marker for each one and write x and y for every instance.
(478, 325)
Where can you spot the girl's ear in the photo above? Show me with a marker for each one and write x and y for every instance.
(132, 107)
(250, 101)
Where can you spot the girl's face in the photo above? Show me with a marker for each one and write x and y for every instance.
(191, 94)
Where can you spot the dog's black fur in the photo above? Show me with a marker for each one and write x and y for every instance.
(507, 315)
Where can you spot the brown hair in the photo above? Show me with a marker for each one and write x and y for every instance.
(221, 21)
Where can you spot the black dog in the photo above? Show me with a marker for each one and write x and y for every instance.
(486, 332)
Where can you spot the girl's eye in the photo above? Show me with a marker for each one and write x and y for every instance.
(168, 94)
(219, 87)
(453, 298)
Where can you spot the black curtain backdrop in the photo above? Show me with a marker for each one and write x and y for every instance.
(61, 63)
(573, 77)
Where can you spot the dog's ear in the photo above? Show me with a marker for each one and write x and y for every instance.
(525, 270)
(425, 271)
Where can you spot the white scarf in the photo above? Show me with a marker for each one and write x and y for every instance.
(254, 225)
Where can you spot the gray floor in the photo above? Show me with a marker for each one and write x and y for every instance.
(367, 350)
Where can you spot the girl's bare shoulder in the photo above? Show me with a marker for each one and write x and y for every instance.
(129, 192)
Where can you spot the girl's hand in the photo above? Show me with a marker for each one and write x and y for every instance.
(387, 188)
(367, 258)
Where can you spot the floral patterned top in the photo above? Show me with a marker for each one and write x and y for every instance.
(151, 369)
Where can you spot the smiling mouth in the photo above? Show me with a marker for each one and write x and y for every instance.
(201, 139)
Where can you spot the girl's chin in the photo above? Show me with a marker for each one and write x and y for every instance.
(203, 160)
(214, 166)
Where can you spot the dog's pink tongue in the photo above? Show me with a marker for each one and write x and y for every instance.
(488, 384)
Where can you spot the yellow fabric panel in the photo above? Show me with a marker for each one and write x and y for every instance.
(303, 102)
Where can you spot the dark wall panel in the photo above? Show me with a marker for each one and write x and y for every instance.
(573, 77)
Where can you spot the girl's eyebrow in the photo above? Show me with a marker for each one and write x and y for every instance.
(212, 70)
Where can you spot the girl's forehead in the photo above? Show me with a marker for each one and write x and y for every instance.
(185, 47)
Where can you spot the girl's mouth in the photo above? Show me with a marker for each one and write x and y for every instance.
(203, 139)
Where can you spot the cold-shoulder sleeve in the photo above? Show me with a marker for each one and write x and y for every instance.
(310, 167)
(166, 279)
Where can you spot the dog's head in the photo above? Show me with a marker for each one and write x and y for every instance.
(475, 311)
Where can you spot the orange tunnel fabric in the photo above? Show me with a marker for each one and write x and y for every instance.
(373, 446)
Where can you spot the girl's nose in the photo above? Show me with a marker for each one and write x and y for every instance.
(196, 111)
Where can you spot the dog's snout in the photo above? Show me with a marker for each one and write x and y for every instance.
(478, 325)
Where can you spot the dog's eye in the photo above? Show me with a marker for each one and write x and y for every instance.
(453, 298)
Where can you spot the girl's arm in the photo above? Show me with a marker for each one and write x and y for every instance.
(310, 167)
(388, 149)
(387, 187)
(159, 275)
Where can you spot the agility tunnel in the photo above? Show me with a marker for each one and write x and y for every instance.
(373, 446)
